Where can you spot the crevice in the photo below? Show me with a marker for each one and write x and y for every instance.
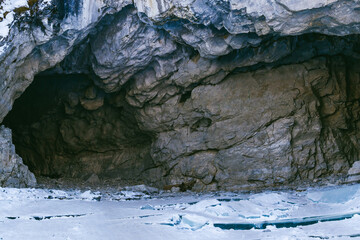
(286, 223)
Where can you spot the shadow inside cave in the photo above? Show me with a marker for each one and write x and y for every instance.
(65, 127)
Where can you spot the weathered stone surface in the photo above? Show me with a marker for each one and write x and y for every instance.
(355, 169)
(268, 127)
(126, 40)
(200, 95)
(93, 179)
(353, 178)
(92, 104)
(13, 173)
(354, 173)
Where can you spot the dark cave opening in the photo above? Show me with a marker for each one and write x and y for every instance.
(66, 127)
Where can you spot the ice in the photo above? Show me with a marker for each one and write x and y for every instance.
(337, 195)
(147, 207)
(190, 221)
(89, 196)
(142, 188)
(132, 195)
(318, 213)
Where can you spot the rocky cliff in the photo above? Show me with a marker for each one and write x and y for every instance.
(199, 94)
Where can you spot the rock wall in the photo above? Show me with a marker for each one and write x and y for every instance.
(64, 126)
(262, 128)
(270, 127)
(202, 94)
(13, 173)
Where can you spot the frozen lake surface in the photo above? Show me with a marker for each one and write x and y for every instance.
(323, 213)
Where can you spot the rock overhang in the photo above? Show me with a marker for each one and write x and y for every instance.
(163, 55)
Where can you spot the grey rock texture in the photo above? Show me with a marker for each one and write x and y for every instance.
(13, 172)
(269, 127)
(205, 20)
(195, 94)
(354, 173)
(261, 128)
(156, 34)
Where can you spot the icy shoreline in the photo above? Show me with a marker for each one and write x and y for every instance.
(317, 213)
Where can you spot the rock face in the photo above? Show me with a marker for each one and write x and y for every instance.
(354, 172)
(61, 124)
(200, 95)
(13, 173)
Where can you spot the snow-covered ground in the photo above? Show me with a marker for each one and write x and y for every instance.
(139, 213)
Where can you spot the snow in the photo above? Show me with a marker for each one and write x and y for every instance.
(135, 213)
(7, 14)
(9, 6)
(89, 13)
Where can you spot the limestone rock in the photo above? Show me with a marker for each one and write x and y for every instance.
(355, 169)
(92, 104)
(90, 92)
(353, 178)
(93, 179)
(354, 173)
(262, 128)
(13, 173)
(155, 35)
(202, 95)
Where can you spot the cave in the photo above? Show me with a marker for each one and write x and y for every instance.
(125, 119)
(65, 127)
(212, 96)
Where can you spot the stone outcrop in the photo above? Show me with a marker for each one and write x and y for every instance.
(13, 172)
(60, 135)
(354, 173)
(201, 95)
(269, 127)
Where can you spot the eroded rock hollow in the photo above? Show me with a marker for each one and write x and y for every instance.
(259, 128)
(64, 126)
(255, 96)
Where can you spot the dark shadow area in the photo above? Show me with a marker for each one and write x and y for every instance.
(65, 127)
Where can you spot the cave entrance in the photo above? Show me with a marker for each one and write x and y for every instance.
(66, 127)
